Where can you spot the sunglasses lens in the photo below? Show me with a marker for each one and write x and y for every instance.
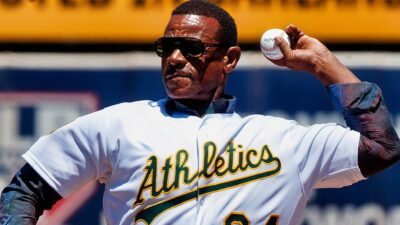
(162, 48)
(190, 47)
(159, 50)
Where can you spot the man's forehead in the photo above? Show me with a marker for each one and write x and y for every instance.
(183, 25)
(193, 19)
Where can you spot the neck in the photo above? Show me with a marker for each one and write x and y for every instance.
(200, 106)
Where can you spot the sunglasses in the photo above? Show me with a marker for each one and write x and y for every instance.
(188, 46)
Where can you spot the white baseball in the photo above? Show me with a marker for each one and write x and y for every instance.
(268, 45)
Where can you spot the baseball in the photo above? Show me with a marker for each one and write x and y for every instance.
(268, 45)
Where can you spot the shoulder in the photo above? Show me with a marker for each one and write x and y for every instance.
(128, 111)
(141, 108)
(136, 105)
(270, 120)
(293, 128)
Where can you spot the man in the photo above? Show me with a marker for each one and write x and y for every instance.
(191, 159)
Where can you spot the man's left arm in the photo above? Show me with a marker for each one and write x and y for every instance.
(364, 110)
(361, 103)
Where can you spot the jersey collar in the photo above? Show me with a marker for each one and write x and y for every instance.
(225, 104)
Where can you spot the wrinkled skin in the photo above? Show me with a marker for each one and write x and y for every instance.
(199, 79)
(310, 55)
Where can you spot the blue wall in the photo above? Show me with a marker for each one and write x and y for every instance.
(258, 91)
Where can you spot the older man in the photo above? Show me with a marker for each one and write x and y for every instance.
(190, 159)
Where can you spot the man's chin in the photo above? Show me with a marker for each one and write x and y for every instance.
(181, 95)
(178, 96)
(179, 92)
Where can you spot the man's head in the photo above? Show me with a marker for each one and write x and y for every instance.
(198, 50)
(227, 33)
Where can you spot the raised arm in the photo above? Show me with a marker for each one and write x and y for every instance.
(361, 103)
(310, 55)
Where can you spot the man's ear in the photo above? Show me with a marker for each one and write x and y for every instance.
(231, 58)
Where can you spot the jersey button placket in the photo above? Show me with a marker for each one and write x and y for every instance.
(201, 201)
(201, 138)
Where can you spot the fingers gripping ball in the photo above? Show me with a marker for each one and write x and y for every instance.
(268, 46)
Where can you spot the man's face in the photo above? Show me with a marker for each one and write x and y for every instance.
(187, 77)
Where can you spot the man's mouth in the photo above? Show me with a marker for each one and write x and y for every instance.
(177, 75)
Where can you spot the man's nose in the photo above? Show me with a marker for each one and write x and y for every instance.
(177, 59)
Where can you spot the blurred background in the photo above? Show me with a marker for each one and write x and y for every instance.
(60, 59)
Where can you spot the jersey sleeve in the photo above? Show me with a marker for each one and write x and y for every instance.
(338, 165)
(327, 155)
(73, 155)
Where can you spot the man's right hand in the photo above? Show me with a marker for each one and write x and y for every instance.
(310, 55)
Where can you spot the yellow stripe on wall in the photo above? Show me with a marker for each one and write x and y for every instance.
(142, 21)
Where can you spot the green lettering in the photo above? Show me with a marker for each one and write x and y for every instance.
(182, 169)
(220, 169)
(231, 150)
(249, 161)
(149, 181)
(166, 169)
(208, 159)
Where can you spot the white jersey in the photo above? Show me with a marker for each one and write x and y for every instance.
(219, 169)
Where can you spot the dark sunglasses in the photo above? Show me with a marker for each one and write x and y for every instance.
(189, 46)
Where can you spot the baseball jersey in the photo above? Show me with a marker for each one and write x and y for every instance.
(163, 166)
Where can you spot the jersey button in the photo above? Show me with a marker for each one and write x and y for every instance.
(202, 201)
